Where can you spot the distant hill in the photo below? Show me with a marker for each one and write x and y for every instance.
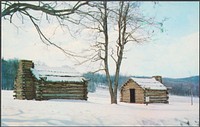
(194, 80)
(182, 86)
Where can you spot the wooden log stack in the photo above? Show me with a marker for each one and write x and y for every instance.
(61, 90)
(24, 82)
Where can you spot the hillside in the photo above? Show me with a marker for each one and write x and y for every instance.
(182, 86)
(192, 80)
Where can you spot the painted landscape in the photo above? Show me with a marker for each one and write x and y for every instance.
(100, 63)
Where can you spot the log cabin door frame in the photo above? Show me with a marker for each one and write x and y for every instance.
(132, 95)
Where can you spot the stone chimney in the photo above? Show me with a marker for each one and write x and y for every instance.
(158, 78)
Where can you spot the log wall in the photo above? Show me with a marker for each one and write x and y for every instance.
(157, 96)
(125, 92)
(61, 90)
(24, 82)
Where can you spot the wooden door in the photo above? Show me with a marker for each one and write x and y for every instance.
(132, 95)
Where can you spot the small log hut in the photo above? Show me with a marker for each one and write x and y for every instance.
(144, 90)
(43, 83)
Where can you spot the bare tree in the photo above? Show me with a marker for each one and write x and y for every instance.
(132, 26)
(60, 10)
(102, 17)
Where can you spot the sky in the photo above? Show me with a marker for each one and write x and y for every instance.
(173, 53)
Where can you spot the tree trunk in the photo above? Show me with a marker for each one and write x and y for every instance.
(105, 28)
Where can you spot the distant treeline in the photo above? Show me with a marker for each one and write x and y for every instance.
(8, 73)
(180, 86)
(183, 86)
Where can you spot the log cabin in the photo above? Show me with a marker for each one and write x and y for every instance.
(144, 90)
(43, 82)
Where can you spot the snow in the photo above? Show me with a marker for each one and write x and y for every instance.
(64, 79)
(57, 74)
(149, 83)
(97, 111)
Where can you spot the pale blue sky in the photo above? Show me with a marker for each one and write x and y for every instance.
(183, 17)
(174, 53)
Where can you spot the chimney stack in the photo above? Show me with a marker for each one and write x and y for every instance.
(158, 78)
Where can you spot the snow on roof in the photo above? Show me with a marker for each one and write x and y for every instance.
(57, 74)
(149, 83)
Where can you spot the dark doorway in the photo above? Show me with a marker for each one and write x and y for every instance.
(132, 95)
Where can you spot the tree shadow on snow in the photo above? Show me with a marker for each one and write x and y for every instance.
(37, 121)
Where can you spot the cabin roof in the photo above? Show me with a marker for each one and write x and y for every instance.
(149, 83)
(57, 74)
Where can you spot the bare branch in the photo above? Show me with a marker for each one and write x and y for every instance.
(112, 53)
(98, 70)
(44, 8)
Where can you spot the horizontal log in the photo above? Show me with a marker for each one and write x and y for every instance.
(62, 88)
(26, 94)
(18, 90)
(63, 92)
(155, 91)
(25, 76)
(159, 101)
(63, 95)
(26, 64)
(155, 94)
(23, 91)
(158, 95)
(18, 87)
(136, 98)
(24, 83)
(136, 92)
(62, 84)
(21, 81)
(22, 69)
(70, 98)
(20, 98)
(23, 86)
(23, 61)
(19, 95)
(132, 87)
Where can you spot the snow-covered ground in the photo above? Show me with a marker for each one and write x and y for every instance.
(97, 111)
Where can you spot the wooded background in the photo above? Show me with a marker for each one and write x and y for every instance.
(180, 86)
